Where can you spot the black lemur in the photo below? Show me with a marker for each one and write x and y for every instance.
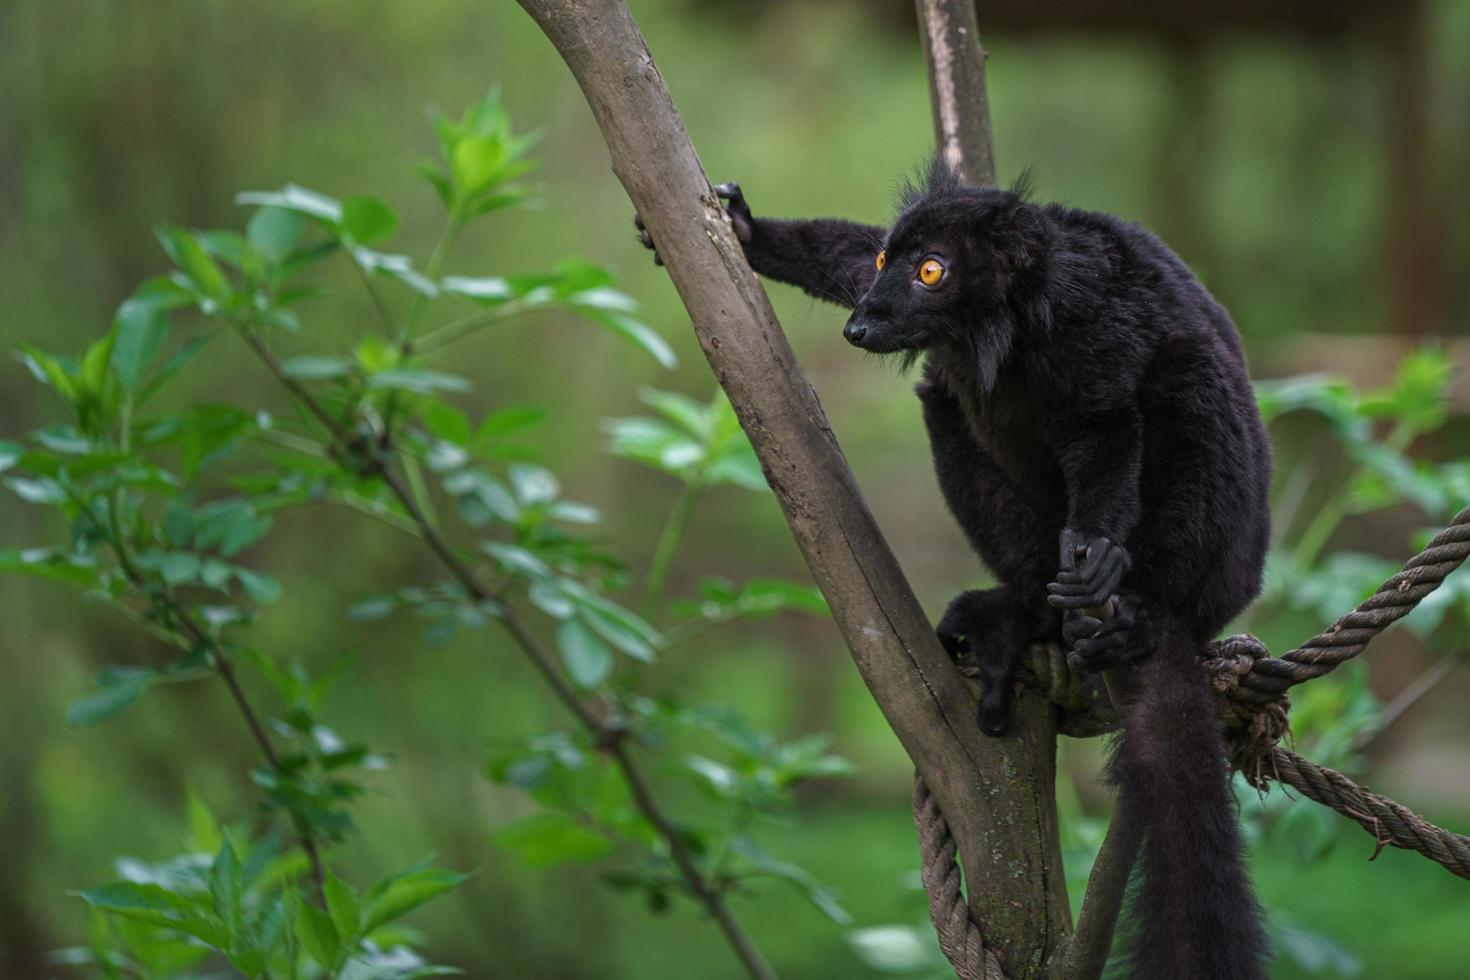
(1094, 434)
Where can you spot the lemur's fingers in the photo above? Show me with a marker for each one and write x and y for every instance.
(1077, 627)
(1101, 571)
(737, 209)
(646, 239)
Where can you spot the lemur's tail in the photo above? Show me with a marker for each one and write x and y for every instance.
(1192, 914)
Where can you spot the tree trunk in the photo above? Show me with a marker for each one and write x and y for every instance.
(996, 794)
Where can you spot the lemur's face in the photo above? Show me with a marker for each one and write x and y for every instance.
(930, 275)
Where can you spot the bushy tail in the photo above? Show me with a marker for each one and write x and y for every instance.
(1192, 914)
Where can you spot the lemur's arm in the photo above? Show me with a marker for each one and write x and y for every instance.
(1101, 462)
(829, 258)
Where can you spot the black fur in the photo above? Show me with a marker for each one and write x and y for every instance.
(1094, 433)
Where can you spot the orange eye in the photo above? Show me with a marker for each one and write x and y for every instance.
(931, 271)
(882, 260)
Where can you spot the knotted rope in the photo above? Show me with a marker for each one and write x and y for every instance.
(1250, 687)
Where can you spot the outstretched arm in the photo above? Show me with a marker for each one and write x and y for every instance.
(829, 258)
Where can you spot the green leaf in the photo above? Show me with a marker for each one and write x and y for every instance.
(587, 658)
(375, 354)
(314, 368)
(155, 904)
(95, 362)
(10, 454)
(230, 525)
(377, 607)
(344, 907)
(506, 421)
(475, 162)
(632, 329)
(204, 832)
(229, 247)
(534, 484)
(274, 232)
(319, 935)
(49, 371)
(141, 326)
(188, 254)
(482, 497)
(550, 838)
(170, 367)
(41, 491)
(397, 896)
(324, 209)
(620, 627)
(179, 567)
(693, 417)
(897, 949)
(119, 688)
(50, 563)
(446, 422)
(418, 380)
(262, 588)
(224, 886)
(368, 219)
(485, 290)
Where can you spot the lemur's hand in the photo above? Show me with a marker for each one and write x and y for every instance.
(1117, 640)
(1091, 572)
(737, 209)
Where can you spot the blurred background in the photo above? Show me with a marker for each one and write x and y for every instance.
(1307, 159)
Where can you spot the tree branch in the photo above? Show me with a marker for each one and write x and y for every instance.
(608, 738)
(1084, 955)
(957, 96)
(995, 793)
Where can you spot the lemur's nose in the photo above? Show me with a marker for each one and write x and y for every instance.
(855, 330)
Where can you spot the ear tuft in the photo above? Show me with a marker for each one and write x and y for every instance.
(934, 176)
(1025, 185)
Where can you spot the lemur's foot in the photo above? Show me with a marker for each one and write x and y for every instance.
(1119, 640)
(996, 681)
(736, 208)
(1091, 571)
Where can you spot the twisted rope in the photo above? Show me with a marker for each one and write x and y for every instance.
(1391, 823)
(1250, 687)
(1345, 639)
(959, 934)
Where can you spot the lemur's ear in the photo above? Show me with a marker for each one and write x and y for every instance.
(1021, 245)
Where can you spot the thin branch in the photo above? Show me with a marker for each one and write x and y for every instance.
(1086, 953)
(199, 637)
(607, 737)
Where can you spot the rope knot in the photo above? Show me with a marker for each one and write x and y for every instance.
(1251, 730)
(1232, 658)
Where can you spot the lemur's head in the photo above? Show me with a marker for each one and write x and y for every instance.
(951, 262)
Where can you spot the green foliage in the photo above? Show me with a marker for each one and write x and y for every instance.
(701, 445)
(244, 904)
(168, 513)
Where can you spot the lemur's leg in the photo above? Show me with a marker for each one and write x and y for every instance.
(829, 258)
(992, 628)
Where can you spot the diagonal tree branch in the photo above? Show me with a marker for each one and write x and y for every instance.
(996, 794)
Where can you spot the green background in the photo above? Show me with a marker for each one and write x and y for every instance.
(1262, 158)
